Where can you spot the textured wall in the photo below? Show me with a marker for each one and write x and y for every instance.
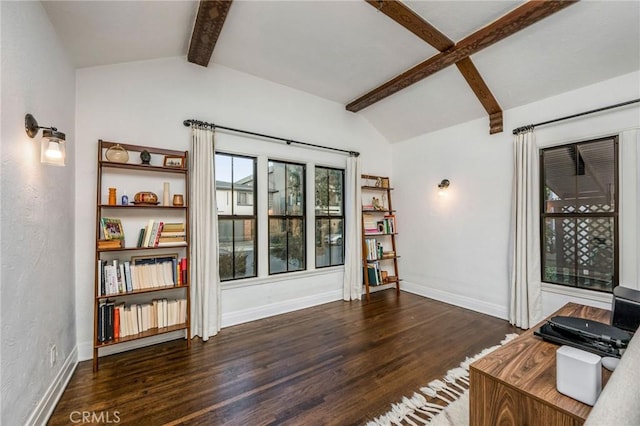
(145, 103)
(458, 247)
(37, 216)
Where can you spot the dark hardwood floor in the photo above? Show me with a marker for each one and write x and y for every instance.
(340, 363)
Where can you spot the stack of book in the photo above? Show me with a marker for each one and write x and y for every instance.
(161, 234)
(369, 223)
(118, 321)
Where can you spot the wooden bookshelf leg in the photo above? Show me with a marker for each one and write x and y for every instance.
(95, 360)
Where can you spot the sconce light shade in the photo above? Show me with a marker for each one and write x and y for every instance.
(52, 148)
(52, 145)
(443, 185)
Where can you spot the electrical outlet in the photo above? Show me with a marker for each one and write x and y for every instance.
(53, 354)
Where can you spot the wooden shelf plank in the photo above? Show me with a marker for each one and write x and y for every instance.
(140, 206)
(142, 248)
(148, 333)
(376, 188)
(144, 167)
(142, 291)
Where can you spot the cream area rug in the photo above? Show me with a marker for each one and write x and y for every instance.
(442, 402)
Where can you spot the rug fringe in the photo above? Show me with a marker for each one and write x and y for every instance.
(418, 411)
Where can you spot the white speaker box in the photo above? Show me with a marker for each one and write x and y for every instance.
(578, 374)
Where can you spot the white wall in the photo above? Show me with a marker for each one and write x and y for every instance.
(456, 248)
(37, 226)
(145, 103)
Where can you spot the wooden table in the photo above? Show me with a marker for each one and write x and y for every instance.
(516, 384)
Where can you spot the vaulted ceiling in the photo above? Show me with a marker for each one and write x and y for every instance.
(344, 50)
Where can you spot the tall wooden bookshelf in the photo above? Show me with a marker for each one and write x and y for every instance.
(147, 169)
(379, 231)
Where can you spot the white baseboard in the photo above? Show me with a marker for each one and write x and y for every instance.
(239, 317)
(48, 403)
(457, 300)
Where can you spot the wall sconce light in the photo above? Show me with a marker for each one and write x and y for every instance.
(442, 186)
(52, 144)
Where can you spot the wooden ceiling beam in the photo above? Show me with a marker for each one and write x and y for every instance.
(413, 22)
(209, 21)
(514, 21)
(406, 17)
(483, 93)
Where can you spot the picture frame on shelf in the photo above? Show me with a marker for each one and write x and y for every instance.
(112, 228)
(172, 161)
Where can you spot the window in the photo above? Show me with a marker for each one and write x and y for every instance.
(329, 217)
(286, 217)
(235, 197)
(579, 214)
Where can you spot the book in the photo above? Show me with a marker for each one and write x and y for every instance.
(172, 234)
(174, 227)
(183, 271)
(147, 233)
(172, 244)
(109, 311)
(152, 234)
(116, 323)
(101, 277)
(122, 279)
(157, 234)
(140, 237)
(170, 240)
(127, 276)
(112, 228)
(110, 244)
(102, 316)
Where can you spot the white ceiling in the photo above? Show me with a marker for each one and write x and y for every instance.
(339, 50)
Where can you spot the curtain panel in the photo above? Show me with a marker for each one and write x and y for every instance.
(205, 277)
(525, 308)
(352, 282)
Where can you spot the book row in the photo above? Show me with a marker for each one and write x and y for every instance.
(386, 225)
(376, 275)
(120, 277)
(160, 234)
(116, 321)
(374, 249)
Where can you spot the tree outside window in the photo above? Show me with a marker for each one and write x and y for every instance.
(329, 209)
(286, 217)
(235, 197)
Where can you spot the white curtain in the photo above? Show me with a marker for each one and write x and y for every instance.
(205, 277)
(526, 304)
(352, 283)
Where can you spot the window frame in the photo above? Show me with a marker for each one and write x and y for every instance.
(287, 217)
(614, 214)
(329, 217)
(233, 217)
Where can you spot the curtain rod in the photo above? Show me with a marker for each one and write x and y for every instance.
(532, 126)
(190, 122)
